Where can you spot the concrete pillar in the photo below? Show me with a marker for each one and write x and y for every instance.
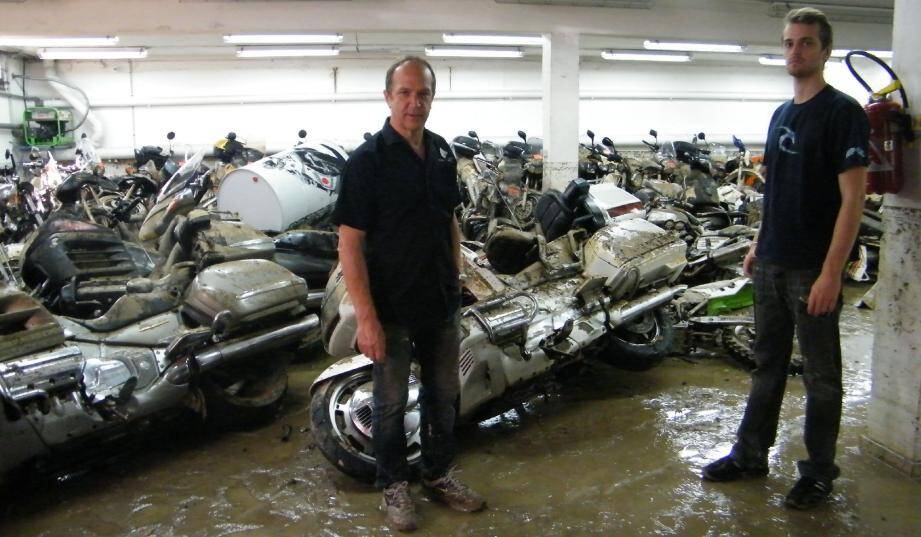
(561, 109)
(894, 414)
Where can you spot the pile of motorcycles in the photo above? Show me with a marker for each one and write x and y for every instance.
(179, 286)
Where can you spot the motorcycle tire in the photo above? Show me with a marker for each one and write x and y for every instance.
(246, 395)
(640, 344)
(739, 342)
(346, 444)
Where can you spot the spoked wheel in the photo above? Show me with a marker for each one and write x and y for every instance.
(340, 413)
(641, 343)
(245, 395)
(524, 209)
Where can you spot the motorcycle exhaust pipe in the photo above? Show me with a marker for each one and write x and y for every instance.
(224, 352)
(314, 299)
(650, 301)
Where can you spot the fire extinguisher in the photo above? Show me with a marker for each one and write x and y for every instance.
(890, 126)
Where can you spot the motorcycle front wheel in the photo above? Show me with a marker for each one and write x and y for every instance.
(641, 343)
(340, 415)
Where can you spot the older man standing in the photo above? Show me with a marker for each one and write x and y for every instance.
(816, 158)
(399, 245)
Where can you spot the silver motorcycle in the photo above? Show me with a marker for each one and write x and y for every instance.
(604, 294)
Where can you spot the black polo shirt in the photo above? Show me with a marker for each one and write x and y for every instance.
(405, 206)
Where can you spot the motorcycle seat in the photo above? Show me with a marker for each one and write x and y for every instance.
(510, 250)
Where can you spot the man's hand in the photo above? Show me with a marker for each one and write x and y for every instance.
(371, 340)
(748, 264)
(823, 297)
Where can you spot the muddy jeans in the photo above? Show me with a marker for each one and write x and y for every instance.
(436, 349)
(780, 308)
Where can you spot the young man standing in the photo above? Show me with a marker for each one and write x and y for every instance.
(816, 158)
(399, 245)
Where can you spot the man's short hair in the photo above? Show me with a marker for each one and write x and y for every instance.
(811, 15)
(388, 81)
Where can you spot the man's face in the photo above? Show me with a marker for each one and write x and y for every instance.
(409, 97)
(802, 49)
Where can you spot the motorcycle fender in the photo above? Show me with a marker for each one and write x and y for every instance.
(340, 368)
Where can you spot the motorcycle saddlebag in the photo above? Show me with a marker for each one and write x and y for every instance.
(244, 293)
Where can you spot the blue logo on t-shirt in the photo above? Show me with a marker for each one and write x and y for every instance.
(787, 140)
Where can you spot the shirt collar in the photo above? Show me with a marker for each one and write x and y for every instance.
(391, 136)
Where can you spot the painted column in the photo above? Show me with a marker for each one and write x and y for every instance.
(894, 414)
(561, 109)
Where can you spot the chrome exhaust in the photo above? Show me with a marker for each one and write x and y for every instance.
(314, 299)
(223, 352)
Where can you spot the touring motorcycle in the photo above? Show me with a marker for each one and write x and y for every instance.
(534, 303)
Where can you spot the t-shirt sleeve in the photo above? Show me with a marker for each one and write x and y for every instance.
(851, 137)
(355, 206)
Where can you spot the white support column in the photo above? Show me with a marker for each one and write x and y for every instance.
(561, 109)
(894, 414)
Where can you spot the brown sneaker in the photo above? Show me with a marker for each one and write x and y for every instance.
(399, 507)
(456, 495)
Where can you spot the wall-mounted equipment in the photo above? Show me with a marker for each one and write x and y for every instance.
(46, 127)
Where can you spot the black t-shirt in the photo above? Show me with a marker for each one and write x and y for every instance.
(808, 145)
(405, 206)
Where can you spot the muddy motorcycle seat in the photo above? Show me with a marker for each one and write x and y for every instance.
(556, 211)
(510, 250)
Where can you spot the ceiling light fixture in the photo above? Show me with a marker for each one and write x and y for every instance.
(38, 42)
(473, 52)
(842, 52)
(640, 56)
(484, 39)
(135, 53)
(655, 44)
(774, 61)
(268, 52)
(283, 39)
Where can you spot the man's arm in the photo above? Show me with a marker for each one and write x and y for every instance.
(823, 297)
(371, 339)
(455, 245)
(748, 264)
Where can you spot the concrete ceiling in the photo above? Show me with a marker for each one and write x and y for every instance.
(193, 28)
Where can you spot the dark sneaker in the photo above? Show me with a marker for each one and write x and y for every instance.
(808, 493)
(456, 495)
(398, 504)
(729, 469)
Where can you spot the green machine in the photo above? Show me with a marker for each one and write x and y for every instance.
(46, 127)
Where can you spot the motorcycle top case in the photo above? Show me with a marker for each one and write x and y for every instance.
(249, 291)
(633, 254)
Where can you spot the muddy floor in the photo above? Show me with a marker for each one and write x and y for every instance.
(604, 452)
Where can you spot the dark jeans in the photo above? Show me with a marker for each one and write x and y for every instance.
(780, 308)
(436, 349)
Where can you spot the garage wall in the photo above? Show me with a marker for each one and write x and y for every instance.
(267, 101)
(10, 111)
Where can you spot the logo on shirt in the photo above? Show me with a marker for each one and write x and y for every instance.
(444, 154)
(787, 140)
(855, 151)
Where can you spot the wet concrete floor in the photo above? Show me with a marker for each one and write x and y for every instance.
(607, 452)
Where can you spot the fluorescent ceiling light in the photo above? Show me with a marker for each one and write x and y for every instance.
(474, 52)
(283, 39)
(135, 53)
(37, 42)
(655, 44)
(772, 60)
(842, 52)
(268, 52)
(639, 56)
(482, 39)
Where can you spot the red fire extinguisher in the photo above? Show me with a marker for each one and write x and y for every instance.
(890, 126)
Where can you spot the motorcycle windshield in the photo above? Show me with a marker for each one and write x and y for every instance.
(182, 175)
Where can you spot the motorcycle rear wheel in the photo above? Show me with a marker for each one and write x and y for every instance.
(641, 343)
(340, 417)
(246, 395)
